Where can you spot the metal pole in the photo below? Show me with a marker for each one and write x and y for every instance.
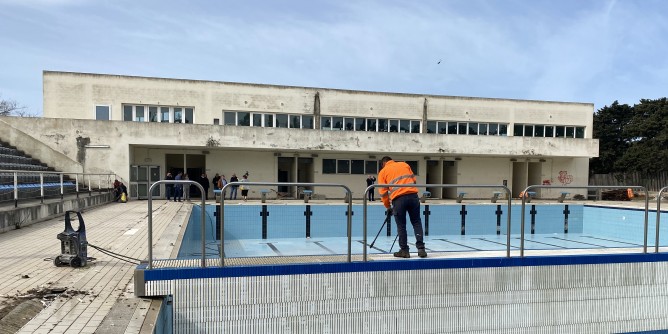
(364, 218)
(510, 209)
(646, 219)
(350, 224)
(658, 217)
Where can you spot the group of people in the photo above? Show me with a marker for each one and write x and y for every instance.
(220, 181)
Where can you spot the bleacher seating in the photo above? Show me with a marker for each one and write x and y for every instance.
(28, 179)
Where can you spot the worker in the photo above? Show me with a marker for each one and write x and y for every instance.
(403, 200)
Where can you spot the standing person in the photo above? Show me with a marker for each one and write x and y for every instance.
(169, 187)
(186, 188)
(222, 182)
(233, 191)
(369, 181)
(404, 200)
(244, 188)
(204, 182)
(214, 181)
(178, 193)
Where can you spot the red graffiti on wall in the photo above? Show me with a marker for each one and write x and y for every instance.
(564, 177)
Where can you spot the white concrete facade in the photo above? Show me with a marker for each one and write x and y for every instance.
(272, 154)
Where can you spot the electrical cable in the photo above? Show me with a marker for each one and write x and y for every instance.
(116, 255)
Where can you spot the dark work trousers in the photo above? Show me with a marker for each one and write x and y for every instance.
(408, 204)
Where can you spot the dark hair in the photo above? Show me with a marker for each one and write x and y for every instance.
(385, 159)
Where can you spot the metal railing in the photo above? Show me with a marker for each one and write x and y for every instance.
(150, 218)
(508, 197)
(23, 183)
(658, 216)
(286, 184)
(528, 189)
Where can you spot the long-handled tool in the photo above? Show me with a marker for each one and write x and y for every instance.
(388, 218)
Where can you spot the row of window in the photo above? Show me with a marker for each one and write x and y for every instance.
(349, 166)
(166, 114)
(467, 128)
(243, 118)
(162, 114)
(558, 131)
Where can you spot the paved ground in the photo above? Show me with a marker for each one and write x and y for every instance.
(78, 300)
(98, 297)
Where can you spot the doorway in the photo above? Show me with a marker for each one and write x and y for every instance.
(192, 164)
(434, 177)
(285, 167)
(141, 179)
(305, 172)
(520, 179)
(449, 177)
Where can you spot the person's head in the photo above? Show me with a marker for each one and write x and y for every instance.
(245, 176)
(223, 176)
(384, 160)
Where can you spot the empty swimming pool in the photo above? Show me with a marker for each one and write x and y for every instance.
(312, 229)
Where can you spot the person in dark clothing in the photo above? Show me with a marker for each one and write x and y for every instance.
(369, 181)
(178, 189)
(233, 192)
(169, 188)
(215, 181)
(204, 182)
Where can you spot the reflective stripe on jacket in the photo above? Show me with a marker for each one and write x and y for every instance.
(395, 173)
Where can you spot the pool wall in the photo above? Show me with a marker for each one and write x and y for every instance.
(556, 294)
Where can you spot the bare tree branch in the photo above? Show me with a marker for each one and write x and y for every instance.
(11, 107)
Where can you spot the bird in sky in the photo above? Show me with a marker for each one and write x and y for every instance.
(439, 61)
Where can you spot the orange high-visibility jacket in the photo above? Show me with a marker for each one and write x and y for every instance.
(395, 173)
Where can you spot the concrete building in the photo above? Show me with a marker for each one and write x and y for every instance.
(141, 127)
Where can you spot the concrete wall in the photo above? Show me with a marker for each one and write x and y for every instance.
(31, 214)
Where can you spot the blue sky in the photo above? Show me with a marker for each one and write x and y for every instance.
(595, 51)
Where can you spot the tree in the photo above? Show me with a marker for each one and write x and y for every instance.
(610, 124)
(647, 131)
(12, 108)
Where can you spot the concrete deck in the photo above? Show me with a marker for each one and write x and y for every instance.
(84, 300)
(100, 297)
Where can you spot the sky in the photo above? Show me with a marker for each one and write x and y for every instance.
(595, 51)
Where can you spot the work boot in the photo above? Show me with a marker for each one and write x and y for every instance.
(402, 253)
(422, 252)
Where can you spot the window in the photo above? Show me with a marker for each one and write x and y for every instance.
(360, 125)
(326, 123)
(127, 113)
(343, 166)
(415, 126)
(539, 131)
(337, 123)
(518, 130)
(394, 125)
(382, 125)
(268, 120)
(139, 114)
(371, 167)
(164, 114)
(493, 129)
(431, 127)
(462, 127)
(102, 113)
(230, 118)
(579, 132)
(295, 121)
(243, 118)
(404, 126)
(473, 128)
(549, 131)
(357, 167)
(189, 115)
(216, 121)
(257, 120)
(350, 123)
(561, 131)
(152, 114)
(329, 166)
(178, 115)
(452, 128)
(281, 120)
(482, 129)
(570, 132)
(503, 129)
(371, 124)
(307, 122)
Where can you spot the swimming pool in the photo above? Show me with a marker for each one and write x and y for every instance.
(313, 229)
